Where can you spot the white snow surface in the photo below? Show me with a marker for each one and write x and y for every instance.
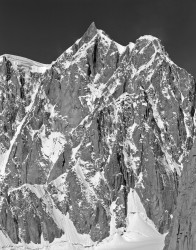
(61, 185)
(119, 242)
(4, 240)
(140, 234)
(33, 66)
(120, 47)
(130, 159)
(131, 46)
(71, 239)
(150, 38)
(52, 145)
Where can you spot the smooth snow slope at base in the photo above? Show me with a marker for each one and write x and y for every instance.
(143, 237)
(140, 232)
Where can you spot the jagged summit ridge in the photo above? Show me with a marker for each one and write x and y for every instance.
(101, 133)
(91, 32)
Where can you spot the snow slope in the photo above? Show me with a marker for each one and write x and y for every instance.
(23, 62)
(140, 233)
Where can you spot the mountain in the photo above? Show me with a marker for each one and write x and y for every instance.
(93, 146)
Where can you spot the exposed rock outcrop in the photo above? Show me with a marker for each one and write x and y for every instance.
(76, 135)
(182, 233)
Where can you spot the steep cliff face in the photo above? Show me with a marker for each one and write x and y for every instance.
(182, 235)
(78, 135)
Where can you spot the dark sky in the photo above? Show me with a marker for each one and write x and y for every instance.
(42, 29)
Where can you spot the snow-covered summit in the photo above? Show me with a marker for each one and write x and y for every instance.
(22, 62)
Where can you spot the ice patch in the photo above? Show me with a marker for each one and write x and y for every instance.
(95, 180)
(187, 122)
(140, 181)
(81, 176)
(156, 114)
(129, 146)
(171, 164)
(120, 48)
(75, 150)
(95, 93)
(61, 185)
(131, 46)
(113, 229)
(165, 92)
(41, 70)
(52, 145)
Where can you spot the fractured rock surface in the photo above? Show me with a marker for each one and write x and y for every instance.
(77, 135)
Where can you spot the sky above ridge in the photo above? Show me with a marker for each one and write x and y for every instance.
(42, 29)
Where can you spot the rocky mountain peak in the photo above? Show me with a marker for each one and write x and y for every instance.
(91, 31)
(94, 143)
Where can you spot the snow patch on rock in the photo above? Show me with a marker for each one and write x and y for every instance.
(140, 234)
(52, 145)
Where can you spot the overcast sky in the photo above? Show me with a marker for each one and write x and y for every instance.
(42, 29)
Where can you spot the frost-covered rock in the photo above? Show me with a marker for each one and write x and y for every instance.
(77, 135)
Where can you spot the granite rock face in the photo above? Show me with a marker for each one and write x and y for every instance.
(77, 135)
(182, 235)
